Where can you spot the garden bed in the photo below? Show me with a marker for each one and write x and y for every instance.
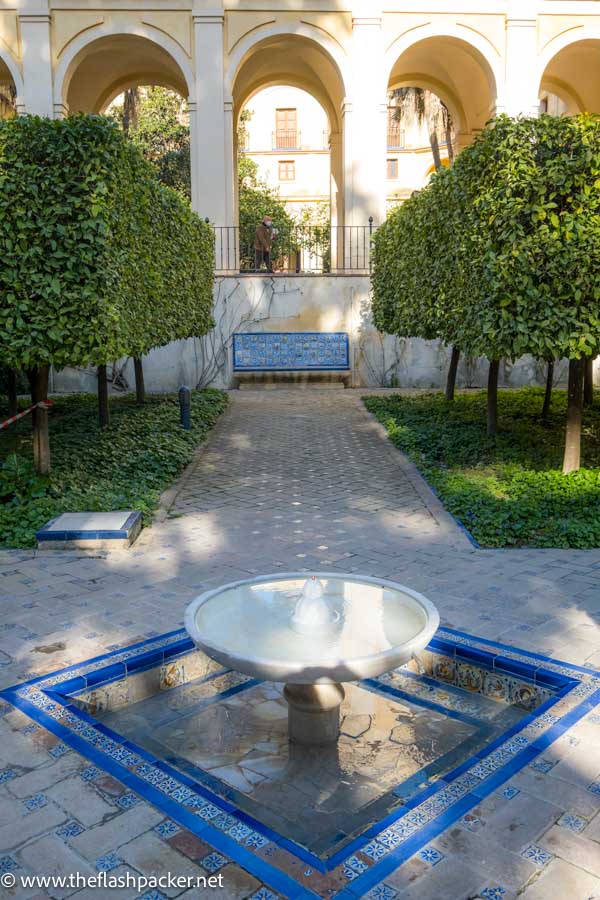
(124, 466)
(508, 492)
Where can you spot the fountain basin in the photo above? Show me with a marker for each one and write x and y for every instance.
(368, 626)
(247, 626)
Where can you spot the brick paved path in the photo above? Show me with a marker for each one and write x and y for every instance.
(289, 481)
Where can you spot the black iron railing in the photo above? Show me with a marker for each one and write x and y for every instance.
(302, 249)
(286, 140)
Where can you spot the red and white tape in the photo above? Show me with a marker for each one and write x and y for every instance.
(43, 404)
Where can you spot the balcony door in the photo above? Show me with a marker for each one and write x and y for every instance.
(286, 129)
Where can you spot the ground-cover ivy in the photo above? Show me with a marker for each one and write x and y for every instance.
(126, 465)
(508, 491)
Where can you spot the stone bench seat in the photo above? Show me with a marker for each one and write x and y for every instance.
(296, 358)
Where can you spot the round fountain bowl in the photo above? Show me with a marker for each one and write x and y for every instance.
(375, 626)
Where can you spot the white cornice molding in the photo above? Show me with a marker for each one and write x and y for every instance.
(38, 16)
(362, 21)
(209, 17)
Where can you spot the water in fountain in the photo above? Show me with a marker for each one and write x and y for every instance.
(288, 620)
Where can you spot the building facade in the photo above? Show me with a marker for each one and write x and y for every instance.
(286, 133)
(479, 56)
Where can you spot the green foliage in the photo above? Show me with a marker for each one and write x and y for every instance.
(22, 383)
(160, 132)
(126, 465)
(500, 254)
(508, 491)
(535, 188)
(19, 480)
(257, 200)
(415, 281)
(313, 229)
(98, 259)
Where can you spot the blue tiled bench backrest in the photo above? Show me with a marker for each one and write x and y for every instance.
(294, 351)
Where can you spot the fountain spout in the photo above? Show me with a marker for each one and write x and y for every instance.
(312, 612)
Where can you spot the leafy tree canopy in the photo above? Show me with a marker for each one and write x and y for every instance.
(99, 260)
(155, 118)
(500, 254)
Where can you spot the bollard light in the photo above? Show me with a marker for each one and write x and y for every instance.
(185, 402)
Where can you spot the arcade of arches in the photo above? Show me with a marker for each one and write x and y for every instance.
(349, 55)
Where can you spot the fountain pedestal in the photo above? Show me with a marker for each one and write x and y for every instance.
(313, 712)
(312, 631)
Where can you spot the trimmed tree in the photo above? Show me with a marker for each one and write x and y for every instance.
(519, 270)
(533, 185)
(99, 260)
(424, 270)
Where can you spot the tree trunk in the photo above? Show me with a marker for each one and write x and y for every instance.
(12, 392)
(38, 383)
(588, 382)
(549, 385)
(492, 398)
(140, 389)
(130, 110)
(452, 371)
(103, 410)
(435, 148)
(449, 143)
(572, 458)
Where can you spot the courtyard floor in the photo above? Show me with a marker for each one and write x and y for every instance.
(291, 481)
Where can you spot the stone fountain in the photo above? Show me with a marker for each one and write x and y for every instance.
(314, 632)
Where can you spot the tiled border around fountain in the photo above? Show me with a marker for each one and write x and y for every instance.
(564, 693)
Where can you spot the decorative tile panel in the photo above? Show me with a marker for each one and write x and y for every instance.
(290, 352)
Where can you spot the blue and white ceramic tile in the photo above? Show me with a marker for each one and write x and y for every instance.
(177, 789)
(537, 855)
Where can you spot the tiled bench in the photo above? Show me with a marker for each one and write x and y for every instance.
(291, 357)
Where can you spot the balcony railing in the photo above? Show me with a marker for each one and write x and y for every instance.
(395, 139)
(300, 250)
(282, 140)
(286, 140)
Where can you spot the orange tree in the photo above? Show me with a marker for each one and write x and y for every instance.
(99, 260)
(500, 254)
(533, 187)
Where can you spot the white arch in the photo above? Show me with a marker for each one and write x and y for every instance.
(268, 81)
(300, 29)
(468, 36)
(15, 73)
(447, 96)
(566, 39)
(564, 92)
(69, 55)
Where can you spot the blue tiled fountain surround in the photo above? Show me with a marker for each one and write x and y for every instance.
(564, 693)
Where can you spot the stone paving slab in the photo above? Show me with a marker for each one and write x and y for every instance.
(290, 481)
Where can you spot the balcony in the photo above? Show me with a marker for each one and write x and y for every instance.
(395, 139)
(286, 140)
